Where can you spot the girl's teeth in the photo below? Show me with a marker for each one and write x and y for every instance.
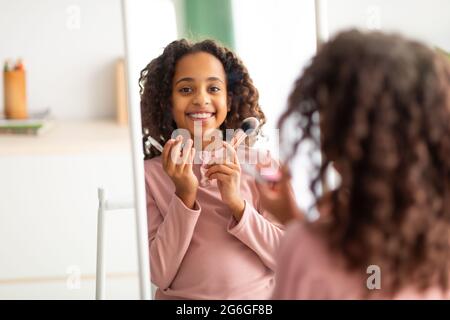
(201, 115)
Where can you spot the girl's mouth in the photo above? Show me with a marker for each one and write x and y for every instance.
(200, 116)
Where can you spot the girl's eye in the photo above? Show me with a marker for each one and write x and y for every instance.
(214, 89)
(185, 90)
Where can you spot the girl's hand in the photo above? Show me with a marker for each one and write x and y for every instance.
(278, 198)
(228, 175)
(177, 163)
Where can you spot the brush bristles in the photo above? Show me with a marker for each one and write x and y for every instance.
(249, 125)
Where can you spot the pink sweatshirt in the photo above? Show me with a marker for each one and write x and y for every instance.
(205, 253)
(308, 270)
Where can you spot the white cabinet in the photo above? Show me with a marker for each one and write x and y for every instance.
(48, 212)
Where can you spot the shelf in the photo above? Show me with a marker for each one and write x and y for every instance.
(70, 137)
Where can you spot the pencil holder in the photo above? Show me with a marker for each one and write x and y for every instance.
(15, 94)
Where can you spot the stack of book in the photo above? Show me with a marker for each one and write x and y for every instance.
(35, 124)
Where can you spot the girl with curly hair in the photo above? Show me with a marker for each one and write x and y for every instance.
(206, 242)
(382, 104)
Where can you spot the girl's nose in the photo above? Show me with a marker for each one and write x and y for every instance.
(202, 98)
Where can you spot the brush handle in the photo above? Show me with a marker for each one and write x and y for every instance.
(240, 137)
(260, 177)
(155, 143)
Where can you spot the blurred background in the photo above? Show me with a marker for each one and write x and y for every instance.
(63, 62)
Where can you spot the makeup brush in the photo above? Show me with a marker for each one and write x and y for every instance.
(153, 142)
(248, 128)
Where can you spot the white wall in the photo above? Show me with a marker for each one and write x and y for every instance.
(275, 42)
(427, 20)
(154, 21)
(69, 48)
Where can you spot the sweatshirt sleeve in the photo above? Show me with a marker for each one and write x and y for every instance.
(169, 237)
(258, 233)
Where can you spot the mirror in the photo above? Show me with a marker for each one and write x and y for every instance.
(260, 39)
(274, 44)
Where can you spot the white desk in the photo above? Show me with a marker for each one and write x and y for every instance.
(48, 212)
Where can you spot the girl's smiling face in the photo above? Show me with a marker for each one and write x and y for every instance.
(199, 92)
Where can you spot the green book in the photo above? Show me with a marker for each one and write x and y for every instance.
(36, 124)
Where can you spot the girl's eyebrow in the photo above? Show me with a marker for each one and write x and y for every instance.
(192, 79)
(214, 79)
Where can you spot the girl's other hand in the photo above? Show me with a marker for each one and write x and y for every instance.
(228, 175)
(177, 163)
(278, 198)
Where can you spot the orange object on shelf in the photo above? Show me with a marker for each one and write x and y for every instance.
(121, 94)
(15, 94)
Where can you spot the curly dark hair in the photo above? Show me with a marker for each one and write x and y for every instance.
(383, 104)
(156, 88)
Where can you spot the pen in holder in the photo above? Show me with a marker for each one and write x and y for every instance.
(15, 93)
